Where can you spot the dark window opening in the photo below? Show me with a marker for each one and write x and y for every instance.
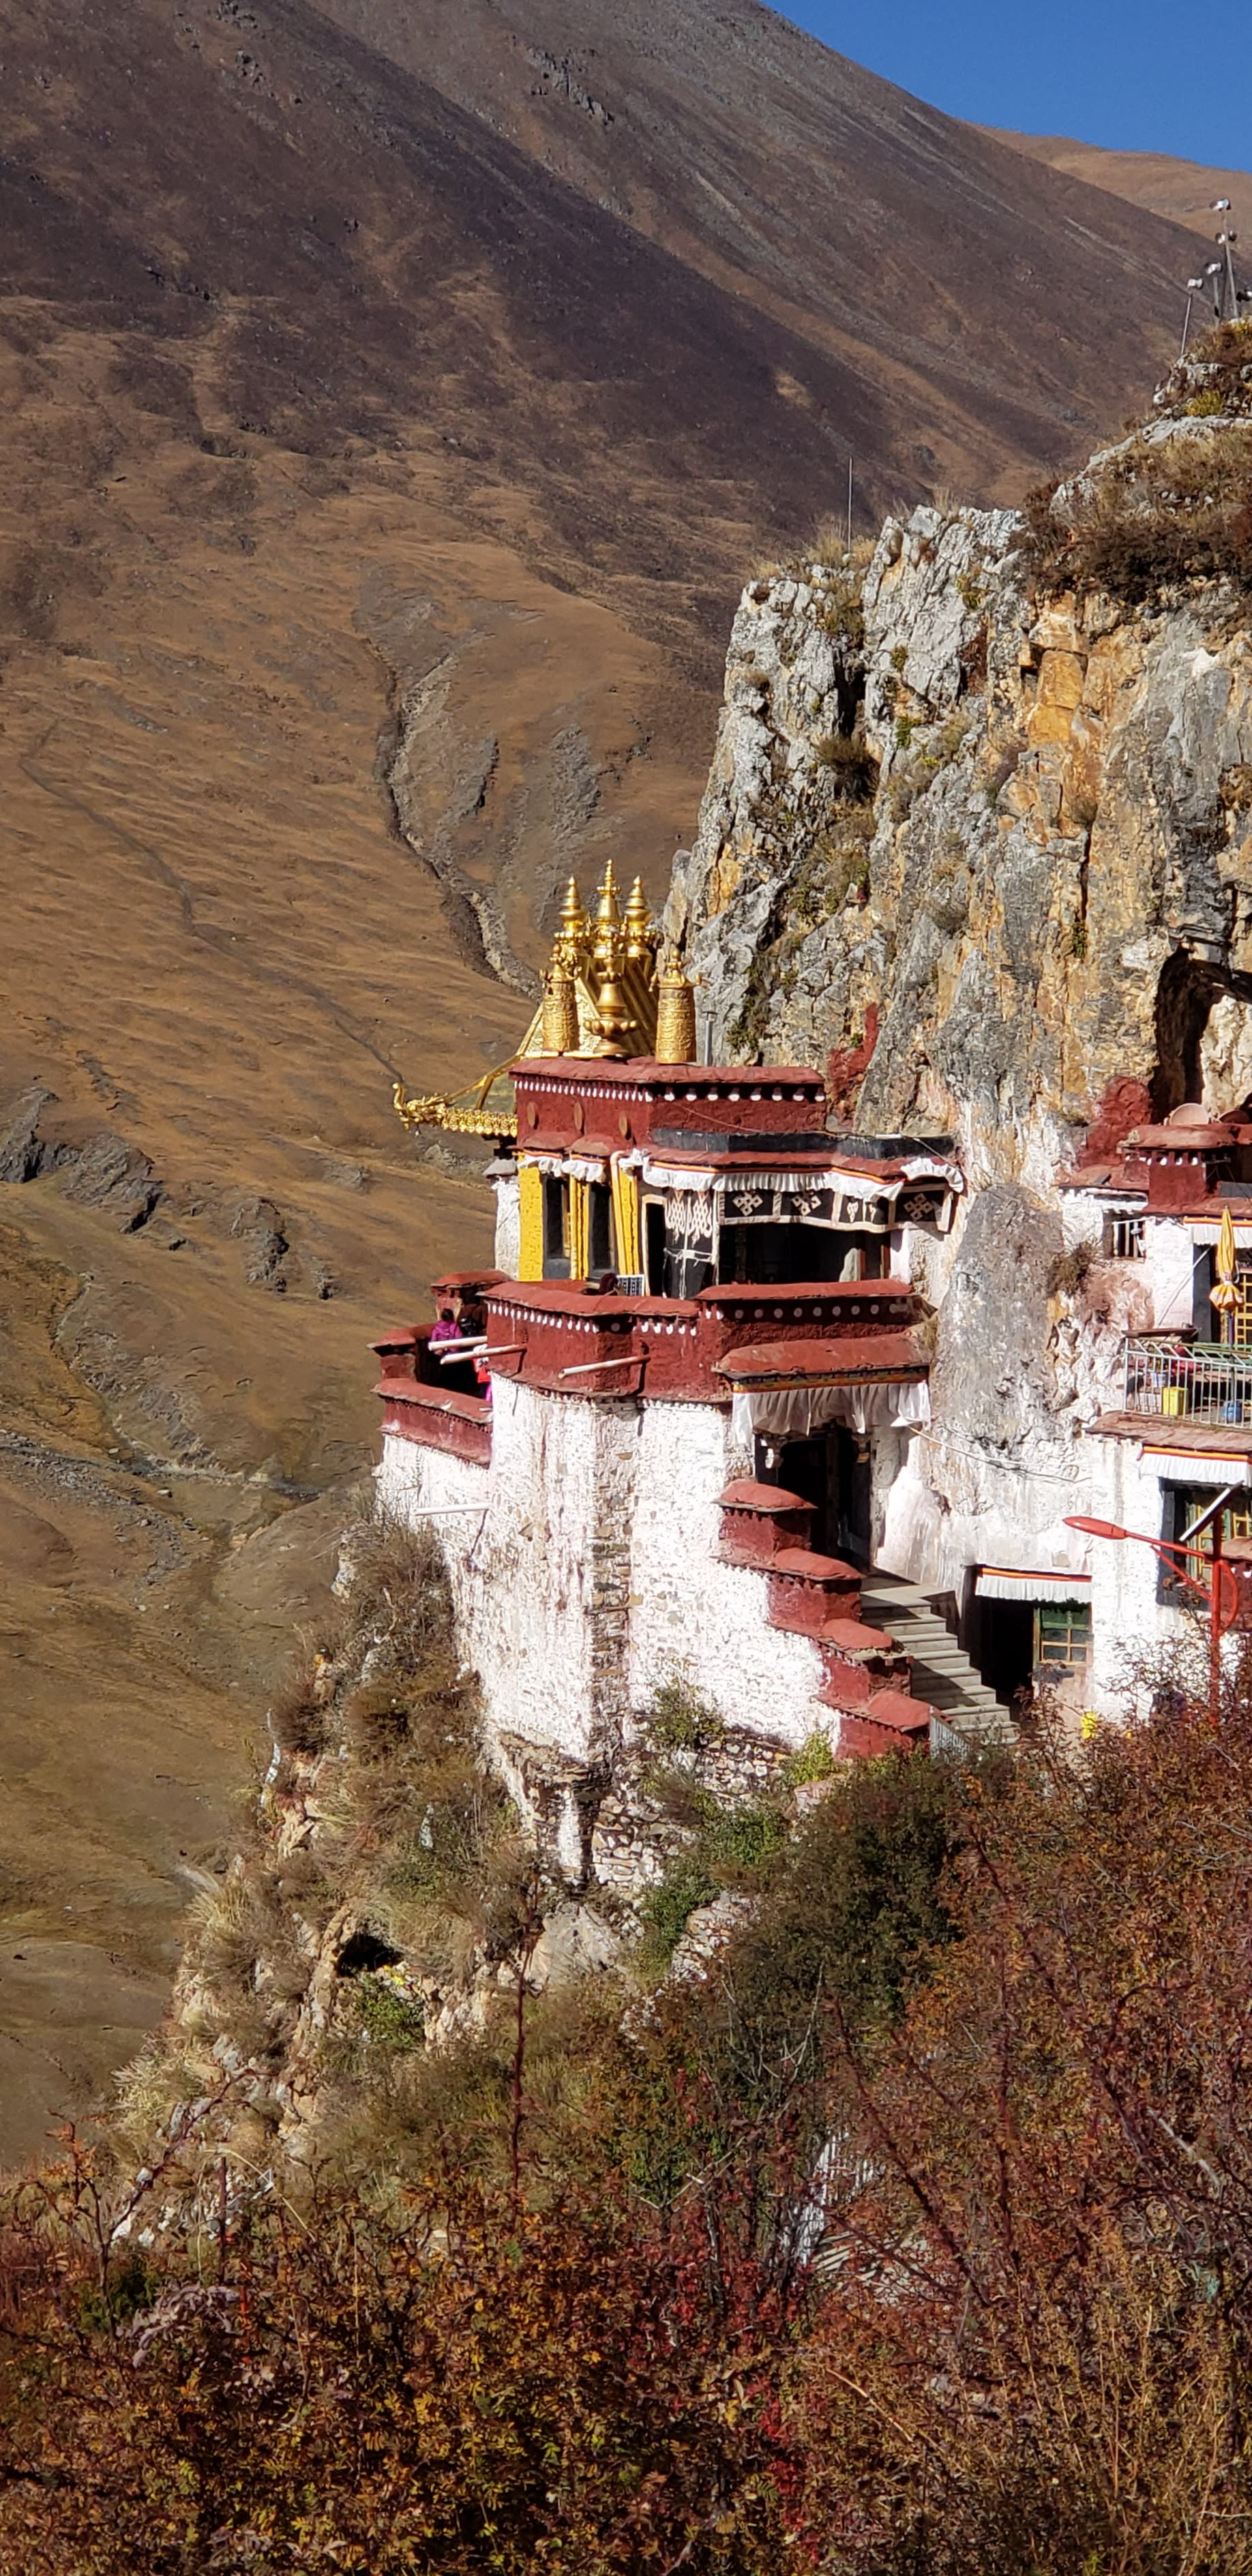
(1125, 1238)
(555, 1227)
(452, 1376)
(654, 1246)
(599, 1227)
(1181, 1506)
(763, 1256)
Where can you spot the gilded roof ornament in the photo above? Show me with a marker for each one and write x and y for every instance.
(599, 999)
(640, 931)
(676, 1013)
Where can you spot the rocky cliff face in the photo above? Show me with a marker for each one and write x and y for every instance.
(995, 854)
(984, 848)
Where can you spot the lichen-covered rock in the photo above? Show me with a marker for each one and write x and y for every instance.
(1055, 816)
(784, 820)
(1047, 934)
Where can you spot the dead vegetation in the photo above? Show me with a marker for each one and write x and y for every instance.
(1161, 514)
(380, 1840)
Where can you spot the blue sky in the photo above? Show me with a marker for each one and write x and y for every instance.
(1128, 73)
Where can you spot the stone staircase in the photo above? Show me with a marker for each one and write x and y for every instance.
(942, 1671)
(866, 1673)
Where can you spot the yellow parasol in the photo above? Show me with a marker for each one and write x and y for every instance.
(1225, 1294)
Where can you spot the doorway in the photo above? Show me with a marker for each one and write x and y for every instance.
(831, 1470)
(853, 1530)
(1000, 1642)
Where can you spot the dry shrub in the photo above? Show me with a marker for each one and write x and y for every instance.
(1036, 2349)
(1158, 516)
(848, 755)
(298, 1714)
(1069, 1270)
(396, 1602)
(231, 1927)
(376, 1719)
(1225, 352)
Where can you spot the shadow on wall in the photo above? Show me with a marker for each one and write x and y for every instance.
(1203, 1036)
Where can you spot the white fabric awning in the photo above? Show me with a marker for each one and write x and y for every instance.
(677, 1176)
(795, 1413)
(1197, 1466)
(1014, 1583)
(1204, 1230)
(851, 1185)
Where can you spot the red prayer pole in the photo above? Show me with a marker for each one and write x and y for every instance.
(1221, 1591)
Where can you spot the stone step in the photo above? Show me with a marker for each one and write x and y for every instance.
(942, 1671)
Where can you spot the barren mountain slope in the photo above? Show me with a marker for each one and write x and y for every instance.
(1182, 191)
(364, 382)
(885, 234)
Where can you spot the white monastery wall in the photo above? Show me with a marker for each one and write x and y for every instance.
(588, 1576)
(992, 1512)
(533, 1580)
(694, 1619)
(1128, 1621)
(1174, 1266)
(508, 1247)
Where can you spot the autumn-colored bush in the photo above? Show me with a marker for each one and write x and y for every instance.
(913, 2238)
(476, 2388)
(1159, 514)
(1035, 2351)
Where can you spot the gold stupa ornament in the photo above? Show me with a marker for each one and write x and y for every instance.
(675, 1014)
(600, 998)
(608, 965)
(609, 957)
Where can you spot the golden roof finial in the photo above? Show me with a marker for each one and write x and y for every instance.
(675, 1013)
(573, 918)
(608, 913)
(640, 934)
(615, 1022)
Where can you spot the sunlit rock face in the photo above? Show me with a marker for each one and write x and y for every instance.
(997, 856)
(987, 857)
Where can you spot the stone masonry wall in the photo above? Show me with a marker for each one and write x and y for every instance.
(584, 1578)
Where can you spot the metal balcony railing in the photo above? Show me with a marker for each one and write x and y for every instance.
(1188, 1381)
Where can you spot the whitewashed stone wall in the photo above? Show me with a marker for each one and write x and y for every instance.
(585, 1576)
(534, 1578)
(694, 1619)
(1129, 1624)
(1177, 1269)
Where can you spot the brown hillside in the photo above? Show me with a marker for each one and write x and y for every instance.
(1182, 191)
(368, 368)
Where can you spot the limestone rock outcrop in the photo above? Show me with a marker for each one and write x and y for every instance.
(983, 849)
(1054, 804)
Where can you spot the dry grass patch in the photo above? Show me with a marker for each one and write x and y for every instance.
(1160, 515)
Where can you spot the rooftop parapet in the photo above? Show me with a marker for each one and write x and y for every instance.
(573, 1341)
(563, 1103)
